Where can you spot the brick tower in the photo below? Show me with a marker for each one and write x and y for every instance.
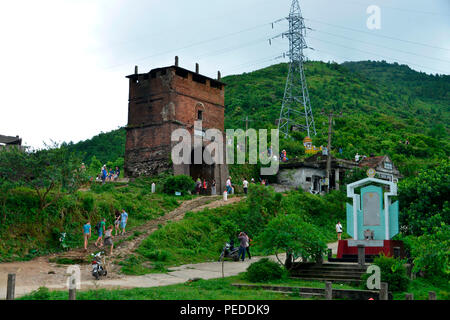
(162, 101)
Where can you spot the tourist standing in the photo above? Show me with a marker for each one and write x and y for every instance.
(124, 220)
(108, 239)
(198, 185)
(339, 230)
(104, 173)
(247, 248)
(213, 187)
(87, 234)
(245, 185)
(243, 240)
(205, 187)
(101, 229)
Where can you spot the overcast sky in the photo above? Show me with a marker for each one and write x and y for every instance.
(63, 62)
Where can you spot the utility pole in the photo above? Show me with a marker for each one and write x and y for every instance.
(296, 107)
(330, 116)
(246, 128)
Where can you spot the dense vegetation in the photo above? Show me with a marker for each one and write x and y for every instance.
(201, 235)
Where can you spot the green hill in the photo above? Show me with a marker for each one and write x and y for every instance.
(383, 105)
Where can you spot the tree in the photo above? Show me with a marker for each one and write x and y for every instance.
(290, 234)
(424, 200)
(52, 169)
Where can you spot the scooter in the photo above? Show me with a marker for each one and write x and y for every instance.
(98, 268)
(229, 251)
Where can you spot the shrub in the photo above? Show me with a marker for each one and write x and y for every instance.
(264, 270)
(392, 271)
(88, 203)
(180, 183)
(155, 255)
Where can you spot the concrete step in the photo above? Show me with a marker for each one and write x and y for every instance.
(334, 272)
(335, 279)
(330, 276)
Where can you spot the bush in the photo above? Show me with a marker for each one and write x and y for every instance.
(180, 183)
(392, 271)
(156, 255)
(264, 270)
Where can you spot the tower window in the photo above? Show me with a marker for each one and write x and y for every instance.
(199, 115)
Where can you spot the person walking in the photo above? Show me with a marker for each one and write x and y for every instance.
(228, 185)
(101, 230)
(87, 234)
(124, 220)
(117, 221)
(243, 240)
(247, 248)
(339, 230)
(245, 185)
(108, 238)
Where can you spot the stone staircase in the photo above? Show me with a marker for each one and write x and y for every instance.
(352, 258)
(328, 271)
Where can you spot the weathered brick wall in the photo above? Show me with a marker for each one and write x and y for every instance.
(160, 102)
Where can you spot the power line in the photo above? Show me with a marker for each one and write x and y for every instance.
(379, 35)
(193, 44)
(385, 57)
(377, 45)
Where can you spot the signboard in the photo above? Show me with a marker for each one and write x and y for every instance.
(177, 193)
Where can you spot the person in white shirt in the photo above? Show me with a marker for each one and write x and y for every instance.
(228, 185)
(245, 185)
(339, 230)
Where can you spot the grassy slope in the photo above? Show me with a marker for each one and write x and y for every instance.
(28, 232)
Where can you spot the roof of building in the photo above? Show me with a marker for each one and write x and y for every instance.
(371, 162)
(134, 75)
(10, 140)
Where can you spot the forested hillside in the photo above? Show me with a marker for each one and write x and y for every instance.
(383, 105)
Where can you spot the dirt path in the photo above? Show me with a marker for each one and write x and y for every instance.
(38, 272)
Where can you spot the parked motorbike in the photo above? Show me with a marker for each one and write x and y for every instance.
(98, 266)
(229, 251)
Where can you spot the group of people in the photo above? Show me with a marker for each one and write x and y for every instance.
(105, 235)
(108, 175)
(202, 187)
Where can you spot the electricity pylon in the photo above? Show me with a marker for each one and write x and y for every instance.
(296, 107)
